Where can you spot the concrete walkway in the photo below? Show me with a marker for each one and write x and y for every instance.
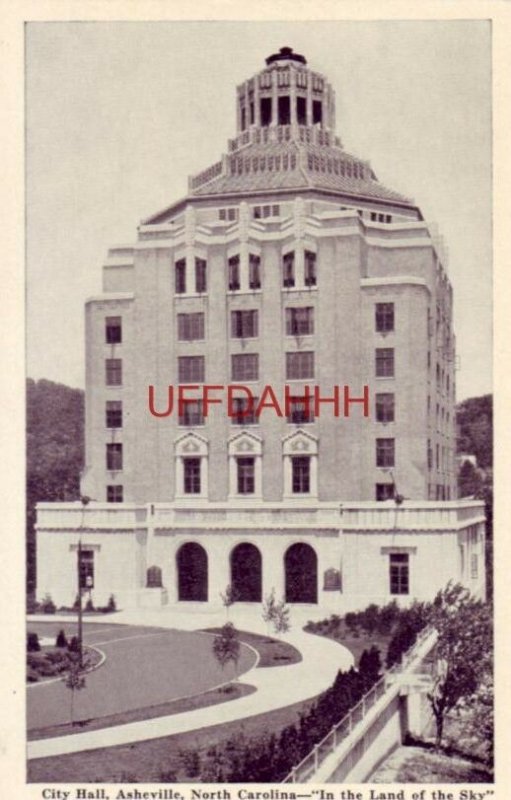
(277, 687)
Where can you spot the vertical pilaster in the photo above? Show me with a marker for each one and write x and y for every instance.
(244, 223)
(309, 99)
(257, 104)
(190, 251)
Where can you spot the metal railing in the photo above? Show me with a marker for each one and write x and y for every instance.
(312, 761)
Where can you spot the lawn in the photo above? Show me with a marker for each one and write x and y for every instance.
(144, 668)
(156, 760)
(423, 765)
(272, 652)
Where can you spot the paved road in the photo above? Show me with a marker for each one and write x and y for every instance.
(276, 687)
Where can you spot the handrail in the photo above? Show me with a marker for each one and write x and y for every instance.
(310, 764)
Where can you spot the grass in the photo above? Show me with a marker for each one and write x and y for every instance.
(146, 761)
(425, 766)
(221, 695)
(272, 652)
(357, 641)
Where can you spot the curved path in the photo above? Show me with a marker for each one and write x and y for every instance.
(276, 686)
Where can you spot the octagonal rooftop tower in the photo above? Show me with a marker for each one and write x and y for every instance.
(286, 141)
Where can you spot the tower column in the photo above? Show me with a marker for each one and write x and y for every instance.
(257, 102)
(309, 99)
(274, 101)
(293, 117)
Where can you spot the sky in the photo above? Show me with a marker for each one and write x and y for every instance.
(119, 114)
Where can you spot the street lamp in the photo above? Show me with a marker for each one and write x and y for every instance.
(85, 502)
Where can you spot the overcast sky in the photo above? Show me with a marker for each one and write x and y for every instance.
(119, 114)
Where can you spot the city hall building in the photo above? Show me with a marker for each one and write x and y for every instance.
(270, 386)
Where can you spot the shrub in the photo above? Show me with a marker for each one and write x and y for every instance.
(47, 605)
(61, 640)
(191, 762)
(74, 645)
(111, 605)
(370, 664)
(89, 605)
(168, 776)
(32, 676)
(33, 642)
(32, 606)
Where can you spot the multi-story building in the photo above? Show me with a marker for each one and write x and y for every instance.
(288, 271)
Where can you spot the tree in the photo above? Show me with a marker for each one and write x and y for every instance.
(55, 452)
(75, 680)
(269, 606)
(226, 646)
(463, 650)
(470, 481)
(281, 614)
(228, 598)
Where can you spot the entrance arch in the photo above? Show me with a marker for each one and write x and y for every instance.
(192, 572)
(247, 573)
(301, 569)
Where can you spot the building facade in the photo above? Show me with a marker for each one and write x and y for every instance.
(270, 385)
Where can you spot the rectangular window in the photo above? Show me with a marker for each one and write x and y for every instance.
(385, 452)
(85, 564)
(385, 407)
(200, 275)
(244, 324)
(384, 317)
(310, 268)
(399, 568)
(191, 467)
(474, 566)
(430, 455)
(384, 491)
(242, 413)
(300, 321)
(180, 277)
(246, 475)
(384, 362)
(288, 270)
(263, 212)
(113, 330)
(234, 273)
(299, 365)
(191, 369)
(113, 414)
(245, 367)
(114, 494)
(254, 272)
(300, 474)
(192, 413)
(190, 327)
(228, 214)
(113, 371)
(114, 456)
(300, 411)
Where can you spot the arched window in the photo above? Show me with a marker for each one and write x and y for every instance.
(301, 571)
(192, 573)
(246, 573)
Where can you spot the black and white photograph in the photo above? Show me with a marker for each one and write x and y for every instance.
(259, 408)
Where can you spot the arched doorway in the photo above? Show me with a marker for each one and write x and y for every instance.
(301, 568)
(192, 572)
(247, 573)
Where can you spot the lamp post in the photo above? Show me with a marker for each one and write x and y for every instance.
(84, 501)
